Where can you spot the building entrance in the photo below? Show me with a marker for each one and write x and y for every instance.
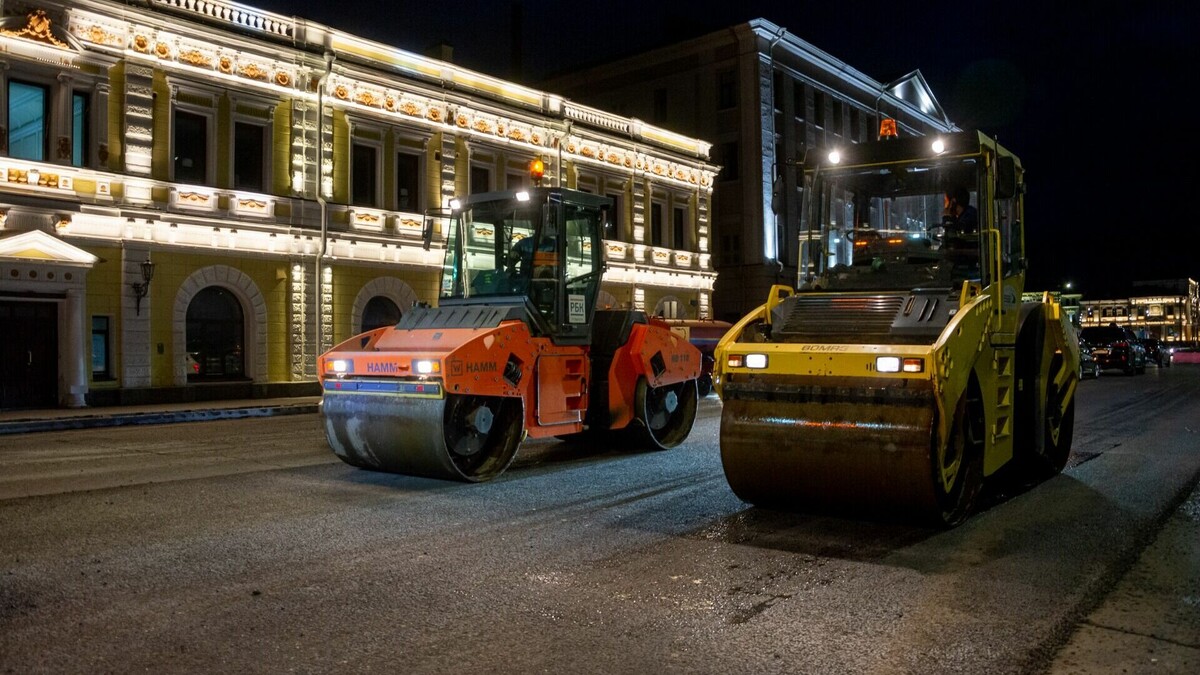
(28, 354)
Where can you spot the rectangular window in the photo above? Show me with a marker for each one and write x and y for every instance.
(481, 179)
(835, 124)
(191, 148)
(249, 142)
(660, 106)
(731, 249)
(818, 115)
(364, 167)
(726, 90)
(855, 124)
(678, 223)
(101, 366)
(28, 120)
(656, 224)
(614, 217)
(80, 142)
(516, 181)
(408, 182)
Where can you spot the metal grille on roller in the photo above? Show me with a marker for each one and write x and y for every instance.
(837, 318)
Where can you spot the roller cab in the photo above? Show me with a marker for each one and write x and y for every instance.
(903, 370)
(515, 348)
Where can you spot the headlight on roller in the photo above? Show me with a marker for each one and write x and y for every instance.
(338, 365)
(756, 360)
(427, 367)
(896, 364)
(887, 364)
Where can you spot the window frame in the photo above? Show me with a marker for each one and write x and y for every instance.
(418, 197)
(82, 137)
(658, 217)
(48, 88)
(210, 150)
(681, 212)
(106, 374)
(352, 173)
(489, 169)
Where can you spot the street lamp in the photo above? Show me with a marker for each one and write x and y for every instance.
(140, 289)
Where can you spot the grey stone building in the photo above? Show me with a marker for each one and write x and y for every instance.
(764, 98)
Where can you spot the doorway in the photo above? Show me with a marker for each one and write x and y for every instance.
(29, 355)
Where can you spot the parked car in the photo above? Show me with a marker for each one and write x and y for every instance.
(1157, 352)
(1115, 346)
(1088, 368)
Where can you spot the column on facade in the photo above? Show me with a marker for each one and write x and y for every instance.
(60, 122)
(139, 119)
(301, 322)
(100, 124)
(449, 155)
(135, 322)
(639, 194)
(74, 348)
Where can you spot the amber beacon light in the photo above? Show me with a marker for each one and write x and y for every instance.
(537, 169)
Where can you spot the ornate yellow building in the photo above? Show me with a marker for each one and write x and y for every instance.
(196, 198)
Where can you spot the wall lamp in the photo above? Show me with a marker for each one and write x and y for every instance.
(140, 289)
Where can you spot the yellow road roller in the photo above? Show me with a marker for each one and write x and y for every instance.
(903, 369)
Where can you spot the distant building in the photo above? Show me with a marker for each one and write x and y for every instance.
(198, 198)
(1166, 309)
(1068, 301)
(765, 98)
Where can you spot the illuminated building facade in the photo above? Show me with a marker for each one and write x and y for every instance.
(765, 98)
(197, 198)
(1168, 310)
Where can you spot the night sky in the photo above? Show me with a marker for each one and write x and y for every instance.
(1095, 102)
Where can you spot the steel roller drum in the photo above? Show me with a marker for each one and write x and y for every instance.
(465, 438)
(856, 457)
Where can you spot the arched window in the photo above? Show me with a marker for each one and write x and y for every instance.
(606, 300)
(215, 333)
(379, 312)
(669, 308)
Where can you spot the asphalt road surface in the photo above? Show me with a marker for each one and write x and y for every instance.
(246, 546)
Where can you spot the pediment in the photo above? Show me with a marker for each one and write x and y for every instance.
(37, 28)
(37, 246)
(914, 89)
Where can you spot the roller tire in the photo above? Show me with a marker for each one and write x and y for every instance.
(957, 467)
(663, 416)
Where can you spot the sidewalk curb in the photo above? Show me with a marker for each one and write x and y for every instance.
(164, 417)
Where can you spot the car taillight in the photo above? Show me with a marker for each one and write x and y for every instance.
(1121, 344)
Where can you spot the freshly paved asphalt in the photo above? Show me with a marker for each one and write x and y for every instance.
(1149, 622)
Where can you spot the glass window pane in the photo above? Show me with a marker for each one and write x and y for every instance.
(481, 179)
(248, 141)
(100, 367)
(27, 119)
(407, 182)
(215, 328)
(80, 106)
(364, 167)
(191, 147)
